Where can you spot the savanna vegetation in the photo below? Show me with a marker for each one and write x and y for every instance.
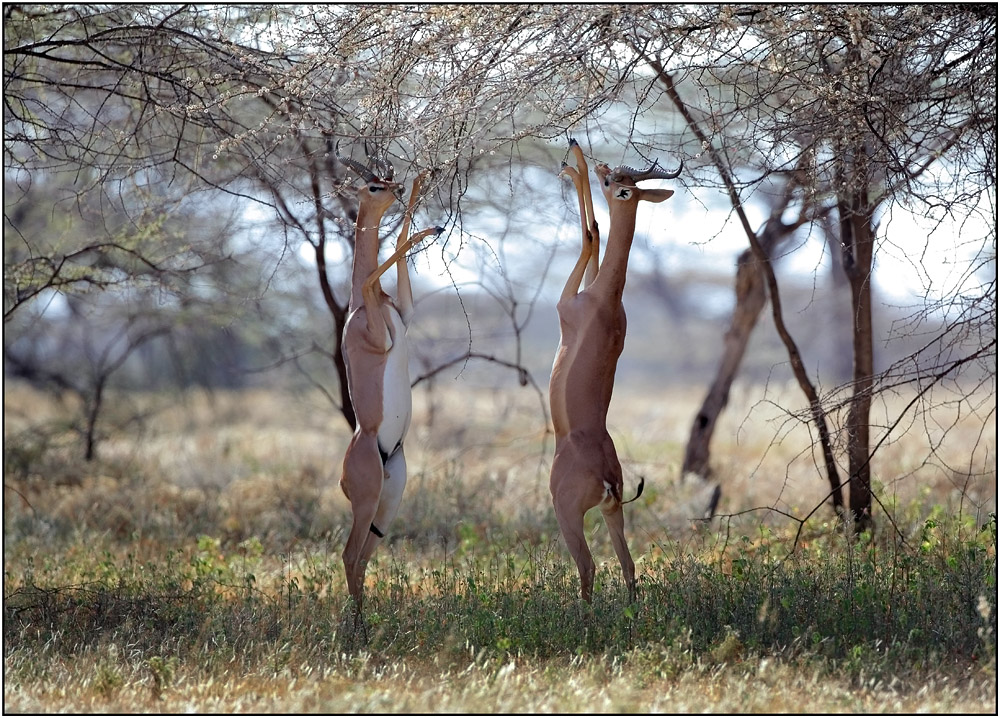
(198, 568)
(178, 241)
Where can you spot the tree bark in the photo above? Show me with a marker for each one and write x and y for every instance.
(858, 241)
(750, 300)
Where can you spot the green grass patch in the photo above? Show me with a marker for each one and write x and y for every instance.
(858, 609)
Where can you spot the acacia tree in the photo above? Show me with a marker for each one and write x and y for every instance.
(255, 102)
(108, 248)
(750, 288)
(87, 293)
(866, 109)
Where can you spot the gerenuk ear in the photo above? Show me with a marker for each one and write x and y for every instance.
(655, 195)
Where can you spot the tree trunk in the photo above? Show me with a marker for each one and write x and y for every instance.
(794, 356)
(751, 297)
(750, 300)
(858, 241)
(338, 313)
(93, 410)
(840, 331)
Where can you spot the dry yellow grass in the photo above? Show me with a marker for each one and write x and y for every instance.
(260, 455)
(266, 464)
(364, 684)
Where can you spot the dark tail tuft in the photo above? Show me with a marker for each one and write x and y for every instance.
(642, 485)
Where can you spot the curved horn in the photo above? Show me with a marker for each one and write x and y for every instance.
(366, 174)
(654, 171)
(385, 167)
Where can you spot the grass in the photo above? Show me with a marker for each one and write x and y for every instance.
(240, 630)
(197, 568)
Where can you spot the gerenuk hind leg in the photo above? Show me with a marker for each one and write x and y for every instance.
(614, 518)
(362, 484)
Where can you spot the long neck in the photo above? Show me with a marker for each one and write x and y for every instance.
(615, 264)
(366, 245)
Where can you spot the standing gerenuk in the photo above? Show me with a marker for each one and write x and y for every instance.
(376, 357)
(586, 471)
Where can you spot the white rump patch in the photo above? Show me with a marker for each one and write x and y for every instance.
(609, 494)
